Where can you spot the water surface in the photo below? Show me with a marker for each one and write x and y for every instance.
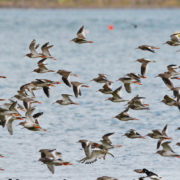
(113, 53)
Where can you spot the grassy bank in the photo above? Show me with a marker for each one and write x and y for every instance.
(89, 3)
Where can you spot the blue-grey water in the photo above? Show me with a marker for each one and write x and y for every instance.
(112, 53)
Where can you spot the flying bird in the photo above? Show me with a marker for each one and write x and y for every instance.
(81, 37)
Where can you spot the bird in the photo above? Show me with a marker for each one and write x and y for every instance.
(170, 101)
(106, 178)
(149, 174)
(116, 96)
(176, 93)
(144, 63)
(66, 100)
(161, 135)
(11, 111)
(124, 116)
(66, 75)
(43, 84)
(137, 104)
(11, 101)
(127, 83)
(92, 155)
(52, 158)
(165, 77)
(42, 67)
(107, 143)
(26, 100)
(45, 51)
(172, 69)
(134, 76)
(76, 87)
(133, 134)
(172, 43)
(107, 88)
(102, 78)
(167, 150)
(9, 123)
(31, 121)
(175, 37)
(81, 37)
(147, 48)
(33, 47)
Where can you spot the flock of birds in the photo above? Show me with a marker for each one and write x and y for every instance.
(25, 98)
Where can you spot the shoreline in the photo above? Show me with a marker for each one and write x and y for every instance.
(91, 8)
(84, 6)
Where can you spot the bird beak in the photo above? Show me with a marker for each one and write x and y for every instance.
(76, 103)
(38, 102)
(86, 86)
(75, 75)
(3, 77)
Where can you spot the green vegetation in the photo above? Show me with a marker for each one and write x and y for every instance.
(89, 3)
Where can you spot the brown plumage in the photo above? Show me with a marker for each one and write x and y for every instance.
(148, 48)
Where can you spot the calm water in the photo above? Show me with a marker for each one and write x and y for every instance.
(112, 53)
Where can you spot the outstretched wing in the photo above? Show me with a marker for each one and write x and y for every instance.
(51, 168)
(81, 33)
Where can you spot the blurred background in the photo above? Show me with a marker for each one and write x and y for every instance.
(89, 3)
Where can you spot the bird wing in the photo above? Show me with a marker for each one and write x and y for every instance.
(169, 99)
(175, 37)
(116, 93)
(164, 130)
(13, 106)
(79, 91)
(45, 49)
(168, 82)
(149, 48)
(159, 143)
(66, 81)
(42, 66)
(66, 97)
(143, 68)
(41, 61)
(157, 132)
(166, 146)
(75, 89)
(86, 145)
(51, 168)
(106, 137)
(9, 126)
(32, 47)
(107, 86)
(37, 115)
(81, 33)
(127, 87)
(46, 91)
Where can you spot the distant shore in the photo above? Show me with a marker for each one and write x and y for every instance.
(44, 4)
